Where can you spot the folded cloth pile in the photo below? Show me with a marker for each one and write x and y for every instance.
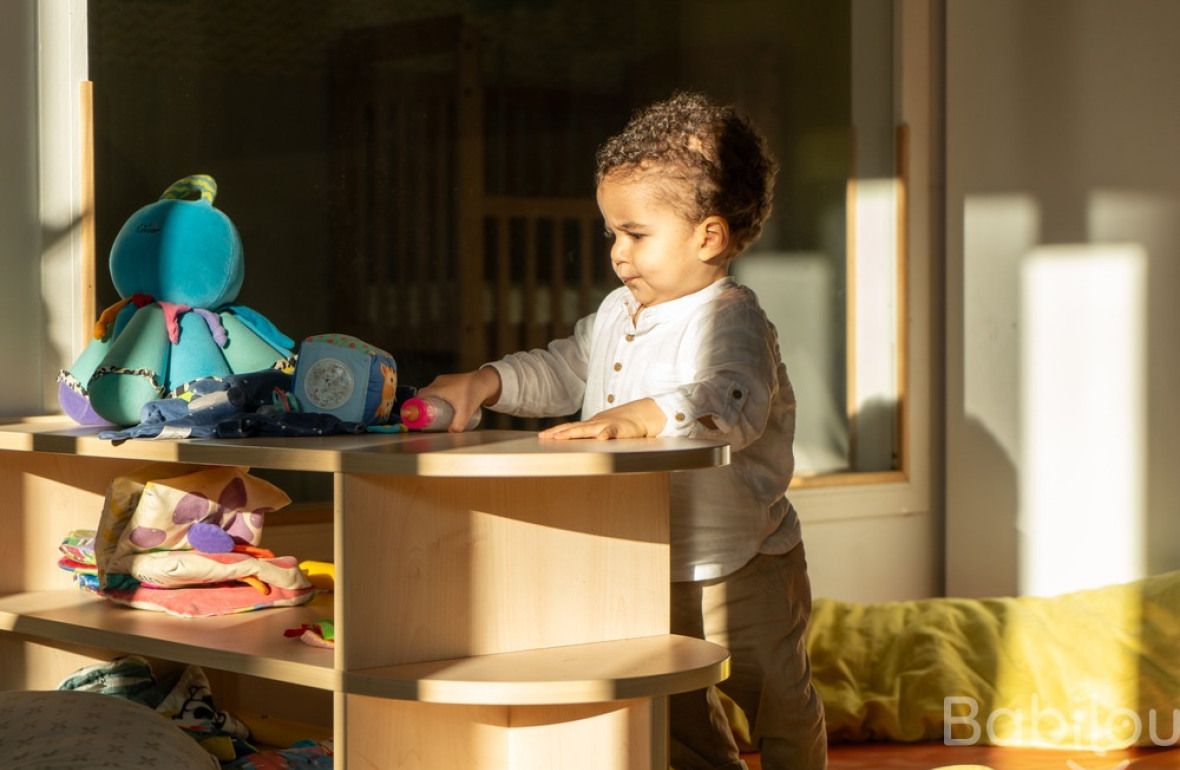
(184, 696)
(188, 543)
(78, 558)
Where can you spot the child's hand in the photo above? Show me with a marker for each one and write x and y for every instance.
(465, 392)
(634, 420)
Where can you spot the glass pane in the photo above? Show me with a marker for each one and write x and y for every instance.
(421, 175)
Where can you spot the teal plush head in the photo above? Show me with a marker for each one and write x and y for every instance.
(180, 249)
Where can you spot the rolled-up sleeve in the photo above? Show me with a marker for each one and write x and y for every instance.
(728, 394)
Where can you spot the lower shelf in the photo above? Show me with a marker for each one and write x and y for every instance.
(599, 672)
(246, 643)
(253, 644)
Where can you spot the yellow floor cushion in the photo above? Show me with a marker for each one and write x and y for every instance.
(1093, 669)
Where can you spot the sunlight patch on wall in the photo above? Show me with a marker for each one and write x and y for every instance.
(998, 231)
(1083, 398)
(874, 363)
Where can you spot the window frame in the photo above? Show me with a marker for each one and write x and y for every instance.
(908, 489)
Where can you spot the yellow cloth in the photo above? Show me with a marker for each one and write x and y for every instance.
(1094, 669)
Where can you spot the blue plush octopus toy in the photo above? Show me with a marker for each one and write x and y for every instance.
(177, 265)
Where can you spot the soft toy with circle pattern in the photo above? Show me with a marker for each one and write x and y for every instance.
(177, 265)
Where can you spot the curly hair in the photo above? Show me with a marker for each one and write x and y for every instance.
(714, 159)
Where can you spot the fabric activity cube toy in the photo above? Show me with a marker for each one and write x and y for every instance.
(346, 377)
(178, 266)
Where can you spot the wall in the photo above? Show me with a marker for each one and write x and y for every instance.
(18, 208)
(40, 234)
(1063, 247)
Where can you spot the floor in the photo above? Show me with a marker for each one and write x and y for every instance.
(921, 756)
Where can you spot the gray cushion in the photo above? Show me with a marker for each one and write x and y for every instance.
(48, 730)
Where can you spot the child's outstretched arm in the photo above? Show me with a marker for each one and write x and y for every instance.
(465, 392)
(634, 420)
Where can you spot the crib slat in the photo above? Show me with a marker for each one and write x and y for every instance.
(442, 257)
(504, 321)
(557, 321)
(532, 333)
(586, 257)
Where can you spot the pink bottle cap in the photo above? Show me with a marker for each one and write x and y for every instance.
(416, 414)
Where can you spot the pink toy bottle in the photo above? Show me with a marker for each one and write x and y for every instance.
(431, 414)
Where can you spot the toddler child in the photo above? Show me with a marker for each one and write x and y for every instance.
(681, 349)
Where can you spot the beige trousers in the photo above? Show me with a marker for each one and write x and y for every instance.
(760, 614)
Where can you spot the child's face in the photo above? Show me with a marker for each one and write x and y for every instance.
(656, 252)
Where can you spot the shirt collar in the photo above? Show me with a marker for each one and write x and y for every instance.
(675, 308)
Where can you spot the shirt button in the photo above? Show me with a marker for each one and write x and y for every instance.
(618, 367)
(680, 417)
(610, 399)
(630, 338)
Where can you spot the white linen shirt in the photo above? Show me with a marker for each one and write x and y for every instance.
(712, 354)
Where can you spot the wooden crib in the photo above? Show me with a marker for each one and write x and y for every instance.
(446, 253)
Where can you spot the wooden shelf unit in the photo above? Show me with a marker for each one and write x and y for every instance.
(500, 601)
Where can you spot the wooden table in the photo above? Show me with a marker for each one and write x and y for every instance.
(501, 602)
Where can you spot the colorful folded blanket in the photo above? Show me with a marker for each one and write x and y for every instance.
(187, 543)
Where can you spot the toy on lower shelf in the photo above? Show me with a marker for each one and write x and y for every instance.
(322, 633)
(77, 558)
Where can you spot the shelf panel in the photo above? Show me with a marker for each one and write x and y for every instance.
(479, 453)
(245, 643)
(584, 673)
(252, 643)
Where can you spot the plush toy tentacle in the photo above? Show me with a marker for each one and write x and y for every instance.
(196, 355)
(107, 318)
(114, 313)
(172, 313)
(261, 325)
(246, 351)
(214, 324)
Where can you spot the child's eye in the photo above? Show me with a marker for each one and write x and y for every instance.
(635, 236)
(608, 234)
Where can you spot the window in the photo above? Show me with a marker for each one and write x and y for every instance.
(421, 176)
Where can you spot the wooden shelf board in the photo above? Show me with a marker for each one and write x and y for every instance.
(477, 453)
(246, 643)
(585, 673)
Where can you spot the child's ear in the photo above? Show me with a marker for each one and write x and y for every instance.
(714, 238)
